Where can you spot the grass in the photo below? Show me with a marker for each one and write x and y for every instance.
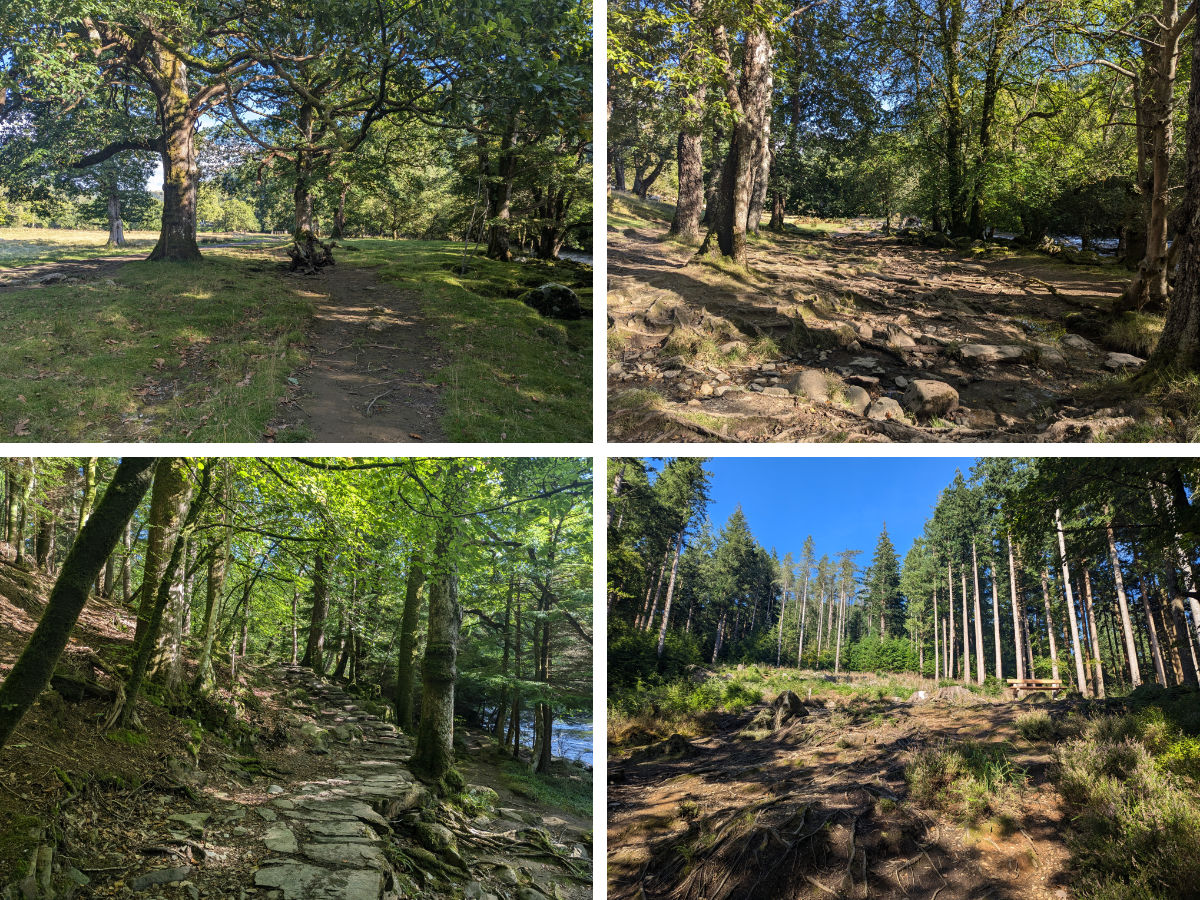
(160, 351)
(23, 246)
(566, 787)
(513, 375)
(971, 779)
(1134, 332)
(629, 211)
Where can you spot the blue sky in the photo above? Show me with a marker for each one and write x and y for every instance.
(842, 503)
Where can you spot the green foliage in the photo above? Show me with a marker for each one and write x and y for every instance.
(971, 778)
(874, 655)
(633, 655)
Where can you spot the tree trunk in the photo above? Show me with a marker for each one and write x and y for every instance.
(750, 101)
(501, 704)
(978, 619)
(1054, 673)
(1095, 633)
(996, 621)
(433, 758)
(1179, 345)
(339, 216)
(116, 233)
(936, 656)
(662, 632)
(91, 548)
(950, 616)
(168, 501)
(802, 621)
(314, 650)
(295, 636)
(177, 238)
(218, 562)
(1152, 631)
(502, 171)
(762, 164)
(690, 202)
(966, 632)
(1135, 674)
(411, 616)
(1066, 573)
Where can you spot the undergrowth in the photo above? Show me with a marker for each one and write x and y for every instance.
(969, 779)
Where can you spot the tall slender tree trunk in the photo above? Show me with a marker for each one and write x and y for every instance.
(978, 618)
(32, 671)
(1017, 636)
(1135, 674)
(782, 613)
(409, 620)
(936, 670)
(802, 621)
(314, 649)
(218, 562)
(168, 501)
(1152, 632)
(1054, 673)
(950, 613)
(666, 618)
(996, 620)
(966, 632)
(1095, 632)
(1066, 573)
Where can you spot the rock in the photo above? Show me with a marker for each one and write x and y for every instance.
(722, 377)
(300, 881)
(866, 381)
(989, 354)
(346, 853)
(901, 382)
(864, 362)
(885, 408)
(1118, 361)
(811, 383)
(555, 301)
(856, 398)
(706, 390)
(274, 789)
(280, 839)
(159, 876)
(193, 821)
(898, 339)
(732, 347)
(866, 332)
(1050, 357)
(767, 367)
(776, 392)
(343, 830)
(1077, 342)
(51, 278)
(927, 398)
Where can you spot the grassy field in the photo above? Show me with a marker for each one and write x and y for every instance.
(24, 246)
(204, 352)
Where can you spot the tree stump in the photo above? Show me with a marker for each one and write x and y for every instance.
(309, 253)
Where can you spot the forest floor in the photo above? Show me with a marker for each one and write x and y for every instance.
(823, 335)
(818, 807)
(306, 797)
(104, 347)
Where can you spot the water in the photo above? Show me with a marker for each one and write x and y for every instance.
(570, 738)
(577, 255)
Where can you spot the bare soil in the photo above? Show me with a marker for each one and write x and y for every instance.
(863, 309)
(23, 277)
(372, 360)
(819, 808)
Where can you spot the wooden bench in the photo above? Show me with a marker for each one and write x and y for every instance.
(1020, 685)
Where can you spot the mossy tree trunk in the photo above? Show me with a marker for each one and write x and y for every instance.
(411, 616)
(91, 548)
(434, 756)
(178, 115)
(168, 501)
(218, 563)
(689, 157)
(314, 650)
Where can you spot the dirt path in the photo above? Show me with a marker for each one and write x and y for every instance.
(818, 808)
(23, 277)
(1016, 339)
(372, 361)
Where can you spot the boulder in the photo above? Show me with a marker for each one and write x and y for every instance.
(899, 339)
(1119, 361)
(555, 301)
(926, 398)
(1077, 342)
(159, 876)
(856, 398)
(811, 383)
(989, 354)
(280, 839)
(885, 408)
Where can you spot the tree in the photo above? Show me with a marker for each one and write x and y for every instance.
(96, 540)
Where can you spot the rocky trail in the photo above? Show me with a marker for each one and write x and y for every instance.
(372, 361)
(811, 801)
(861, 337)
(325, 809)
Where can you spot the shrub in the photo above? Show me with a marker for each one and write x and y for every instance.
(974, 779)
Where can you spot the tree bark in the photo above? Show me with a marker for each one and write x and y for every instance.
(116, 233)
(91, 548)
(978, 618)
(314, 650)
(168, 500)
(1095, 633)
(689, 205)
(1135, 674)
(177, 237)
(408, 645)
(218, 562)
(1066, 573)
(666, 618)
(433, 758)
